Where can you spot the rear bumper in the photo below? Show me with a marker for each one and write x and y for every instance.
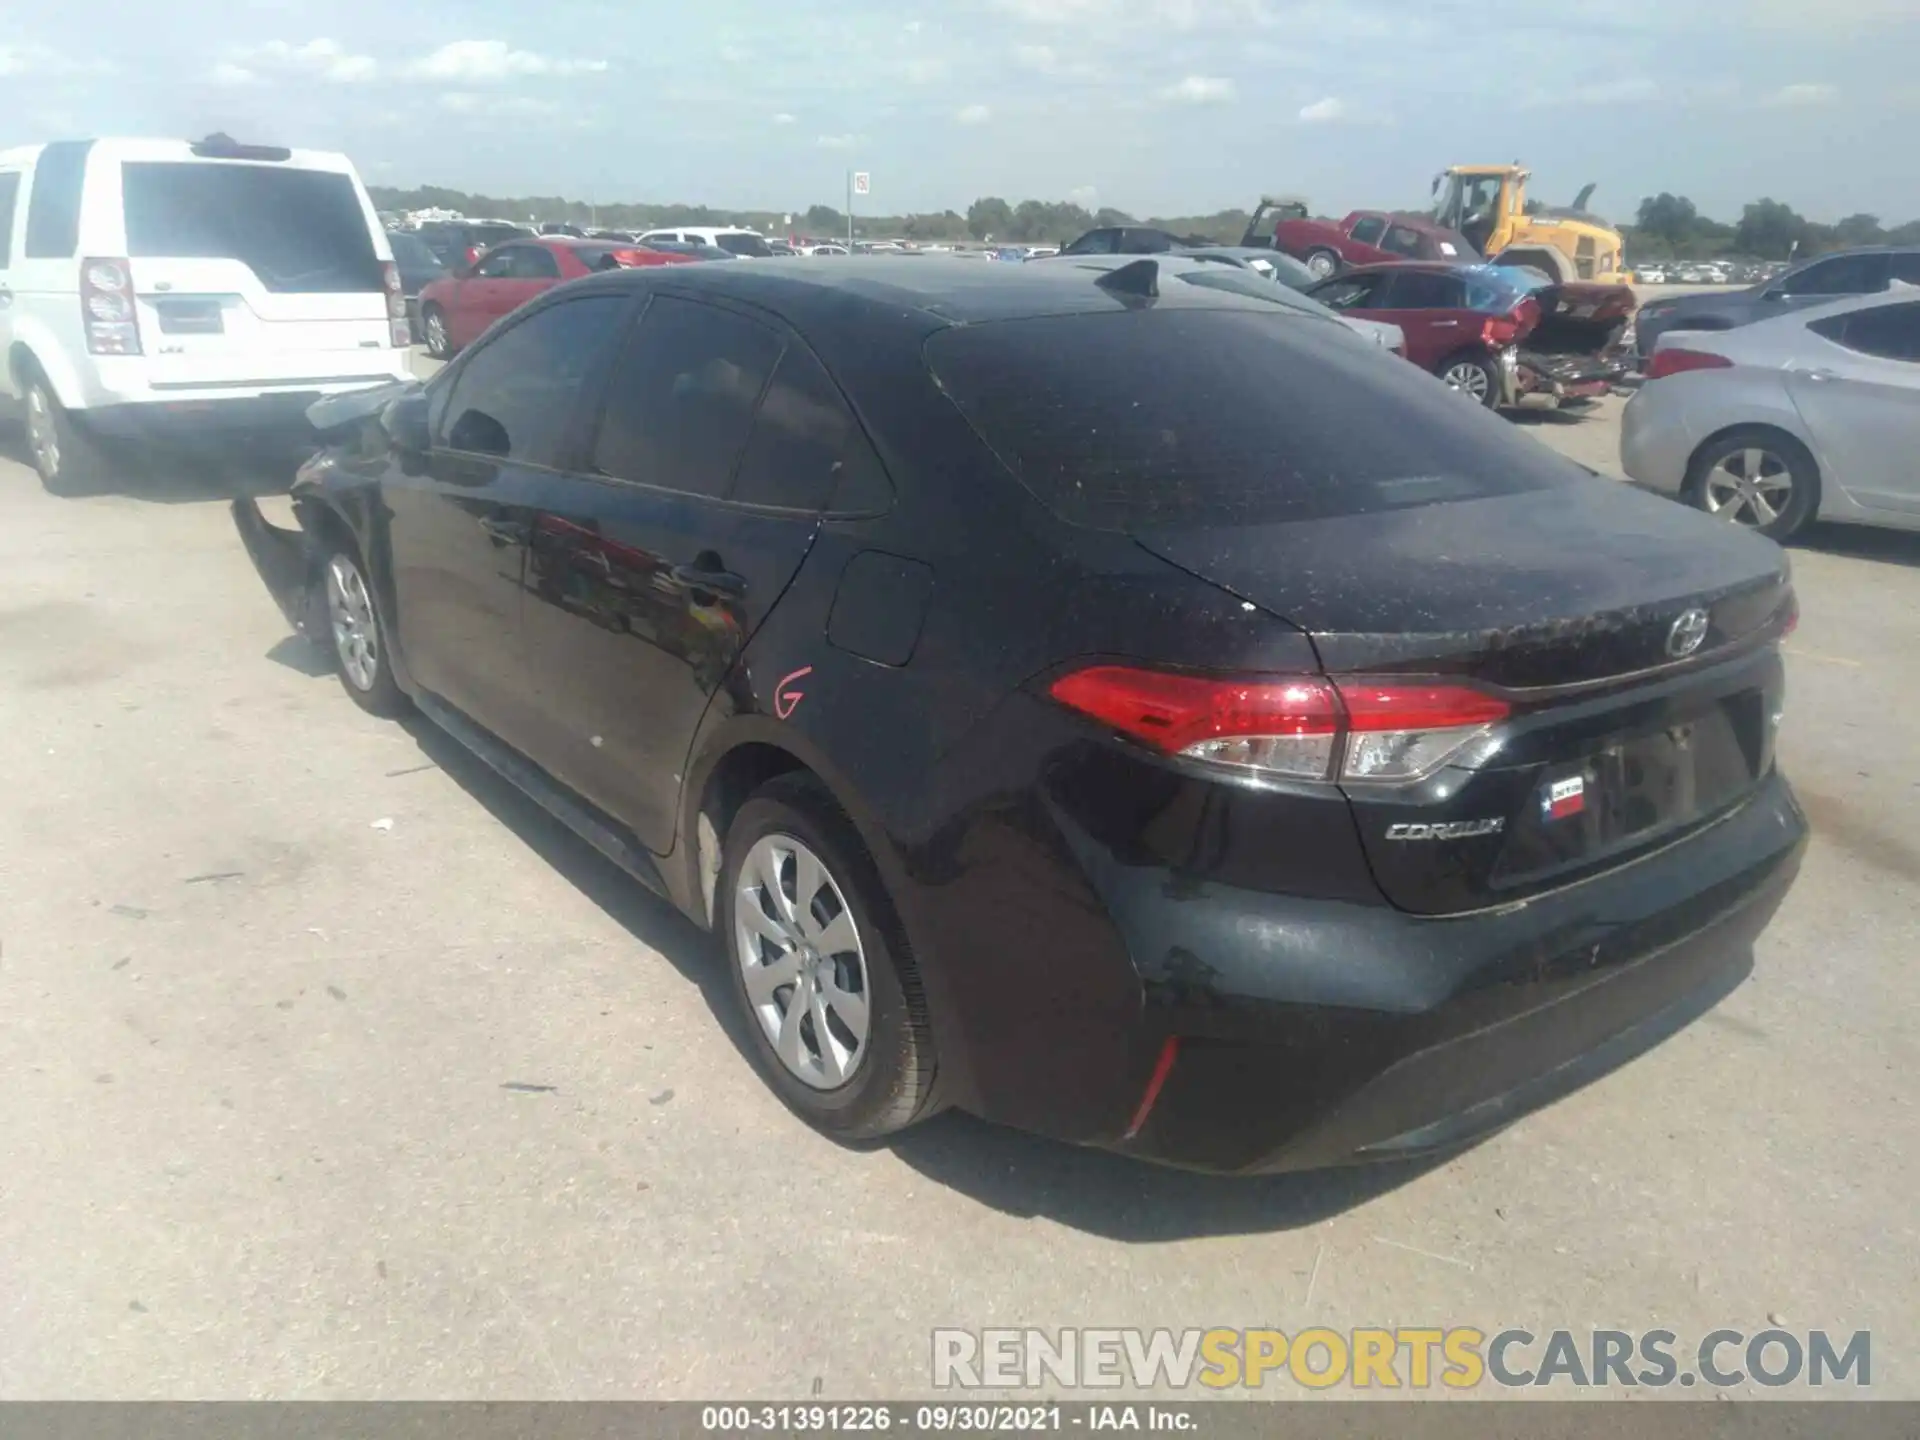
(117, 389)
(1569, 377)
(284, 560)
(1316, 1033)
(1656, 442)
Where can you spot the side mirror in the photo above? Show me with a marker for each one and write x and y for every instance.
(405, 421)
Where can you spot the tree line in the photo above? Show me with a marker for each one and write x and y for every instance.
(990, 218)
(1672, 227)
(1666, 226)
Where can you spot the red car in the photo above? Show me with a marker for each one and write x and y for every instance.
(1369, 237)
(1494, 333)
(456, 309)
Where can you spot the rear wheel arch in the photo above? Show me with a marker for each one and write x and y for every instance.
(1541, 257)
(24, 363)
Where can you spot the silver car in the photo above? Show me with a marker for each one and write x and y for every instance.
(1812, 414)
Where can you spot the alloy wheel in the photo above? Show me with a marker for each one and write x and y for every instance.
(801, 956)
(1749, 487)
(356, 636)
(42, 435)
(436, 333)
(1468, 379)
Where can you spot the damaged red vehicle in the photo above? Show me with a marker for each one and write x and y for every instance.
(1365, 237)
(1495, 333)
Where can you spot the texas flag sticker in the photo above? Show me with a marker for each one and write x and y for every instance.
(1564, 798)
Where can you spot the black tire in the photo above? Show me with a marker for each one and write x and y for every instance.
(439, 343)
(1473, 376)
(1802, 472)
(1325, 264)
(892, 1081)
(371, 686)
(70, 461)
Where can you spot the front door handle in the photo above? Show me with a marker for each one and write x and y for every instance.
(1446, 324)
(701, 580)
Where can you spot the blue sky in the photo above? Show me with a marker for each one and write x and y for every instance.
(1154, 106)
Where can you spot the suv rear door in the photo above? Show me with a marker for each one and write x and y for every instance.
(245, 270)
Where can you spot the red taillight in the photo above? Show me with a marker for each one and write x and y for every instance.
(1306, 728)
(1500, 331)
(398, 331)
(107, 307)
(1672, 361)
(473, 255)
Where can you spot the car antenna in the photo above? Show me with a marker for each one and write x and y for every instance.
(1140, 277)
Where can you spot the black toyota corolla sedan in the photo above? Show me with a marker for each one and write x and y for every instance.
(1138, 712)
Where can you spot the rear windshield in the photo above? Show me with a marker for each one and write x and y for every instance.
(743, 244)
(1164, 418)
(299, 231)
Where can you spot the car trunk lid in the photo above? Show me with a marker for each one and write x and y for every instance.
(1634, 653)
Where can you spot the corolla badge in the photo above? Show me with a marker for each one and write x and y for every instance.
(786, 699)
(1687, 633)
(1447, 830)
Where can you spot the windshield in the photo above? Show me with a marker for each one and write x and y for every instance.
(299, 231)
(1180, 418)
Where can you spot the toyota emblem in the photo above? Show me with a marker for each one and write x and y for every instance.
(1687, 634)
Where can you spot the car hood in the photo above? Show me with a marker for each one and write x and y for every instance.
(1703, 304)
(335, 413)
(1577, 581)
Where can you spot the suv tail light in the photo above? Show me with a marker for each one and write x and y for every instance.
(1300, 728)
(1500, 331)
(1670, 361)
(398, 330)
(107, 307)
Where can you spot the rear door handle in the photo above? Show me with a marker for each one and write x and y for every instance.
(712, 582)
(1446, 324)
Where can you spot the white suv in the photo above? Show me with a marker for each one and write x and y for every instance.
(153, 282)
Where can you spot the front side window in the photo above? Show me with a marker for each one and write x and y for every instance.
(1354, 292)
(682, 397)
(740, 243)
(518, 391)
(1401, 241)
(497, 264)
(1369, 230)
(1094, 242)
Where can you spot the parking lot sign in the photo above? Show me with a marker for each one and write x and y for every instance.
(862, 182)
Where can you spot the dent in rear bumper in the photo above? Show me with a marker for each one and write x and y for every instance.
(1317, 1033)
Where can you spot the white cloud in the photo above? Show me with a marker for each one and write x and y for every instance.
(231, 75)
(1087, 197)
(1037, 57)
(835, 142)
(1803, 94)
(1199, 90)
(912, 27)
(39, 60)
(1614, 92)
(1052, 12)
(468, 102)
(326, 60)
(924, 72)
(974, 115)
(783, 118)
(479, 61)
(1321, 111)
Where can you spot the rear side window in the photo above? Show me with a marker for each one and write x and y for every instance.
(807, 451)
(53, 207)
(1167, 418)
(1356, 292)
(1422, 290)
(1401, 241)
(1890, 332)
(682, 397)
(1842, 275)
(9, 197)
(299, 231)
(531, 262)
(517, 393)
(742, 244)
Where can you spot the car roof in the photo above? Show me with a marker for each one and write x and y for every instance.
(126, 148)
(922, 293)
